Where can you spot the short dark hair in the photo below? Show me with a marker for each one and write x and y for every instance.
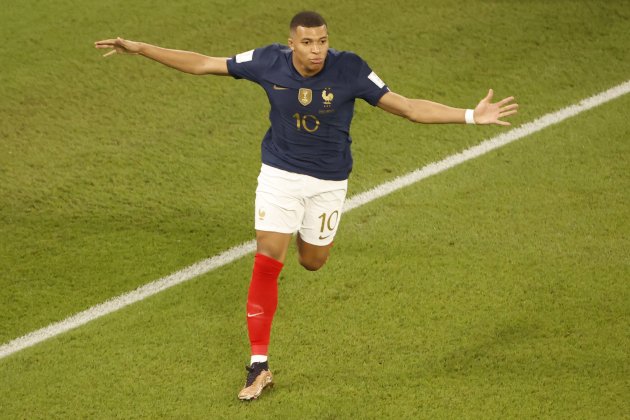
(307, 19)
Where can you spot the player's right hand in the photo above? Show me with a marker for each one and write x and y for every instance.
(119, 45)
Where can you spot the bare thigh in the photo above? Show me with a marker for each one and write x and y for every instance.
(312, 257)
(273, 244)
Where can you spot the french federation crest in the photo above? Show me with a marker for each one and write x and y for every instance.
(305, 96)
(327, 96)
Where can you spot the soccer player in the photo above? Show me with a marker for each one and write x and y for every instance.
(306, 157)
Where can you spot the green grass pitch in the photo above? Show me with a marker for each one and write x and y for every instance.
(497, 289)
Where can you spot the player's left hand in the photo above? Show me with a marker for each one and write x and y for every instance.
(487, 112)
(119, 45)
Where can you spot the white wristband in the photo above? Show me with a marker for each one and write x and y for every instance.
(469, 116)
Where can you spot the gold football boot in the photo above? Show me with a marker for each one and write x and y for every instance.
(258, 377)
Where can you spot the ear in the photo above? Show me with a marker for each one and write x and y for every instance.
(290, 43)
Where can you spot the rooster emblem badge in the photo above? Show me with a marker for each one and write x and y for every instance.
(327, 96)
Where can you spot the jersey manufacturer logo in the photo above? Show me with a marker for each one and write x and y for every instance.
(327, 96)
(276, 87)
(305, 96)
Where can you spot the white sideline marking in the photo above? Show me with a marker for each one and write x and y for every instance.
(487, 146)
(239, 251)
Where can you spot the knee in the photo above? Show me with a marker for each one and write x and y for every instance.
(313, 264)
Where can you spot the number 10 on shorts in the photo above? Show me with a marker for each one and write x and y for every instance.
(329, 222)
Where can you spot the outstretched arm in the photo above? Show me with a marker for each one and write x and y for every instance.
(186, 61)
(427, 112)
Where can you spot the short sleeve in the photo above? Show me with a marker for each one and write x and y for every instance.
(368, 86)
(251, 65)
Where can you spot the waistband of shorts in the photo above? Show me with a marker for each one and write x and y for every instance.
(271, 170)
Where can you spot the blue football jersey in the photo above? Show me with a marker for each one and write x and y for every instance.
(310, 116)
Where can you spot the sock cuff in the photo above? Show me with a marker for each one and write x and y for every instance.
(268, 262)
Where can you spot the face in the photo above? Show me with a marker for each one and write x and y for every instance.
(310, 47)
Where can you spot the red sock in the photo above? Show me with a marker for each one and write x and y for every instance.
(262, 301)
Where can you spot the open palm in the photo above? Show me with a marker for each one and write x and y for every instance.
(487, 112)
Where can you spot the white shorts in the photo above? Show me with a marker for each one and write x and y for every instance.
(287, 202)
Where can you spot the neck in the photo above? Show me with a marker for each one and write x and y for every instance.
(304, 72)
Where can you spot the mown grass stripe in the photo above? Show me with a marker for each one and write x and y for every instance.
(358, 200)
